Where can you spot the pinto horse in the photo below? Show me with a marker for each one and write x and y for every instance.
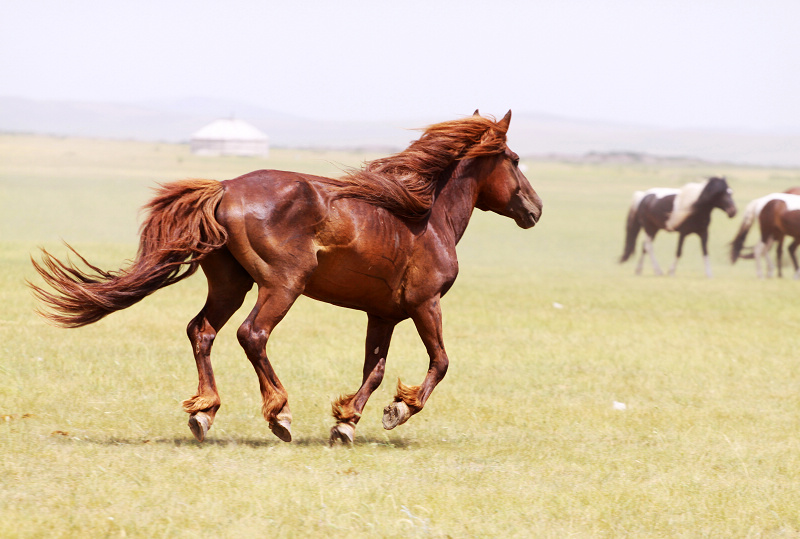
(686, 210)
(778, 215)
(381, 239)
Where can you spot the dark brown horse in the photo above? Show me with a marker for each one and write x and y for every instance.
(686, 210)
(778, 215)
(381, 240)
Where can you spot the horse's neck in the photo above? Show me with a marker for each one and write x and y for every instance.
(456, 200)
(694, 217)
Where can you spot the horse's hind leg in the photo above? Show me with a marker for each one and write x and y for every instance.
(409, 400)
(761, 250)
(347, 409)
(228, 284)
(770, 265)
(274, 301)
(640, 262)
(647, 249)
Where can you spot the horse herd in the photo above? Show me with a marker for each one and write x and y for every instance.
(688, 211)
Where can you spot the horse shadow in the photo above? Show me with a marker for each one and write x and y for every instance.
(256, 443)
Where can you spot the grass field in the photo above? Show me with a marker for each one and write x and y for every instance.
(545, 332)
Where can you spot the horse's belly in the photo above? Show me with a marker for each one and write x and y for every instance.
(371, 284)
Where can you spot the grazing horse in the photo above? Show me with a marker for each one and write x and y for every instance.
(778, 215)
(381, 239)
(686, 210)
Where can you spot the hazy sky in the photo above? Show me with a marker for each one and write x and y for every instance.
(672, 63)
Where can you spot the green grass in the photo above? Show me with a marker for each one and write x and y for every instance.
(519, 440)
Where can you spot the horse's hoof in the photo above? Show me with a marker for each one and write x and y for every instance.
(342, 432)
(199, 424)
(281, 424)
(282, 428)
(395, 414)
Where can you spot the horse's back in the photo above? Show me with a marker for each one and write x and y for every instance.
(348, 252)
(654, 208)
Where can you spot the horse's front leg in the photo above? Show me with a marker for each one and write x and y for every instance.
(792, 254)
(347, 409)
(271, 306)
(704, 246)
(409, 400)
(678, 253)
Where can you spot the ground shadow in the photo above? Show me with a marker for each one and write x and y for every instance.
(258, 443)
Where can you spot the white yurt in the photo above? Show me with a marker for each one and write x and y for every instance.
(230, 137)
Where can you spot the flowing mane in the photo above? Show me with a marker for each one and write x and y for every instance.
(405, 183)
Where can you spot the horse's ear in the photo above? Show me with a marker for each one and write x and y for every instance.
(476, 113)
(503, 124)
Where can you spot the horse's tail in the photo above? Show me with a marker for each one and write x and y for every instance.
(750, 214)
(632, 227)
(179, 230)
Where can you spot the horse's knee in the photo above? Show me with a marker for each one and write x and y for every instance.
(243, 334)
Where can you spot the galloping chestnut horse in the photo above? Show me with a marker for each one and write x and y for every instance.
(381, 239)
(778, 215)
(686, 210)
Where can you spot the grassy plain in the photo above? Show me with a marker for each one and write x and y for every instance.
(545, 332)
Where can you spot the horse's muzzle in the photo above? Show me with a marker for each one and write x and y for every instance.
(526, 221)
(528, 213)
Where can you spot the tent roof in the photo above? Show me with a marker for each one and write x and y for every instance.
(229, 129)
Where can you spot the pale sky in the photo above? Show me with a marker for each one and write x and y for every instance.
(676, 63)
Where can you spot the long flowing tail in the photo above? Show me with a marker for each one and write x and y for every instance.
(750, 214)
(632, 227)
(179, 230)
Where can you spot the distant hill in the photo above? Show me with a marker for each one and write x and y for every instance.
(531, 134)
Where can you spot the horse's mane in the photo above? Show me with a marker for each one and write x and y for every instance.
(405, 183)
(714, 187)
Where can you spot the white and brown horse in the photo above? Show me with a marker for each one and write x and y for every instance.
(778, 215)
(686, 210)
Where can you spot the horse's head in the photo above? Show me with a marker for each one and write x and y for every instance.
(721, 195)
(504, 189)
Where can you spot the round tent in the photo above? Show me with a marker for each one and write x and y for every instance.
(230, 137)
